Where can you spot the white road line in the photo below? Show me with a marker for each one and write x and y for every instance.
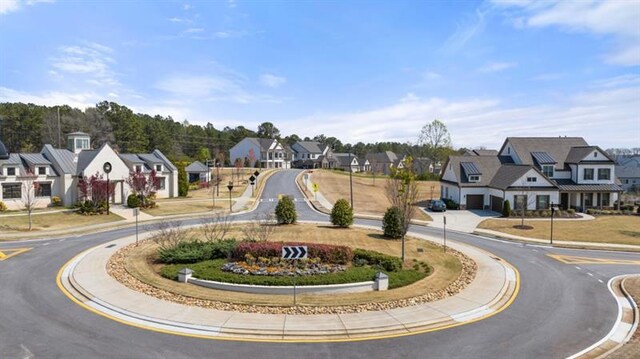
(600, 280)
(590, 275)
(578, 268)
(46, 244)
(62, 240)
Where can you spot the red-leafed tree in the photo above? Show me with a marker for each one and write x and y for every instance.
(93, 193)
(144, 186)
(252, 158)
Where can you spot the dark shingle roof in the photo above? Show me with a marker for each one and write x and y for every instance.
(507, 175)
(382, 157)
(630, 170)
(577, 154)
(557, 147)
(487, 165)
(343, 158)
(196, 166)
(311, 146)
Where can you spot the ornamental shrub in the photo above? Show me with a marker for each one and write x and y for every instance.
(286, 211)
(55, 201)
(392, 223)
(3, 207)
(342, 214)
(506, 209)
(325, 252)
(133, 201)
(197, 251)
(451, 204)
(387, 262)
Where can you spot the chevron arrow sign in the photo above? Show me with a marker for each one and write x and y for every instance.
(294, 252)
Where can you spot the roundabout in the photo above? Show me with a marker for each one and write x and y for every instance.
(560, 310)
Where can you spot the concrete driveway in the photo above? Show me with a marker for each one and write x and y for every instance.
(464, 221)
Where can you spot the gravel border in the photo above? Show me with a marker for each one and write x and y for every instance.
(116, 269)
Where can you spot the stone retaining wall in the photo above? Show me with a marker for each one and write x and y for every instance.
(307, 289)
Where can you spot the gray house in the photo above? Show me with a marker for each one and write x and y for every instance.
(312, 154)
(628, 173)
(198, 172)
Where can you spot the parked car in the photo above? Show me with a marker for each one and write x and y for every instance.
(438, 206)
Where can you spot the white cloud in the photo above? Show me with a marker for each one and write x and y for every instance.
(50, 98)
(272, 81)
(496, 67)
(186, 7)
(430, 75)
(472, 26)
(608, 118)
(618, 19)
(7, 6)
(192, 30)
(89, 61)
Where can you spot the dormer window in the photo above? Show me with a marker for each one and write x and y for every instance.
(474, 178)
(138, 168)
(11, 171)
(158, 168)
(42, 171)
(532, 179)
(547, 171)
(595, 154)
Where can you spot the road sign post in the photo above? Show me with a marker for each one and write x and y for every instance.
(252, 179)
(106, 167)
(294, 253)
(315, 191)
(136, 212)
(444, 218)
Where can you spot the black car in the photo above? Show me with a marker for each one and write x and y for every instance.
(438, 206)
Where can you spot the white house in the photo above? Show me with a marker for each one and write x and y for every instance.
(269, 152)
(312, 154)
(58, 171)
(533, 171)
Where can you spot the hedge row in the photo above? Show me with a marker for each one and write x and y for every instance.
(197, 251)
(326, 253)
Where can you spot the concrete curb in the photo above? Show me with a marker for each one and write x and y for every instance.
(557, 244)
(459, 309)
(624, 327)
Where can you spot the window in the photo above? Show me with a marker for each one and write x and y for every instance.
(595, 154)
(588, 174)
(44, 190)
(542, 202)
(509, 150)
(588, 199)
(162, 181)
(532, 179)
(11, 171)
(474, 178)
(138, 168)
(158, 168)
(520, 201)
(12, 191)
(606, 199)
(547, 171)
(42, 171)
(604, 173)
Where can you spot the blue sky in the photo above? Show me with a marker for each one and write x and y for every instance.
(357, 70)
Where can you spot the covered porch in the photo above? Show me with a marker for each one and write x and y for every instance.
(603, 198)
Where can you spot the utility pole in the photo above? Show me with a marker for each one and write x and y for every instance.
(59, 137)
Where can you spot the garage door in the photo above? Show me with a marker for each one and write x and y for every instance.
(475, 201)
(496, 204)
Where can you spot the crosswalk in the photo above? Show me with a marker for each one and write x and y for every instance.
(276, 200)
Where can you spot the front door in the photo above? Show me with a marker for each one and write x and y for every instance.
(564, 201)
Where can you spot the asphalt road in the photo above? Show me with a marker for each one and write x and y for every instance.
(561, 309)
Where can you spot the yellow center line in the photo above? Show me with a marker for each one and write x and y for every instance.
(8, 253)
(591, 260)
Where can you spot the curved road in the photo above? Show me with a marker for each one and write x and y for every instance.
(560, 310)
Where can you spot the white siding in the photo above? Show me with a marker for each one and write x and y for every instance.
(554, 197)
(580, 174)
(540, 180)
(449, 174)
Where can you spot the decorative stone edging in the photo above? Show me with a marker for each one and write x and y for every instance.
(116, 269)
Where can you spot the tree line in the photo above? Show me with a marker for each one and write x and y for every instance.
(27, 127)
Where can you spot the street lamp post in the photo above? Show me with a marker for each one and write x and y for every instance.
(553, 210)
(107, 169)
(230, 187)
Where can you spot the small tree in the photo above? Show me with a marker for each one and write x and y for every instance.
(183, 181)
(402, 192)
(286, 211)
(342, 214)
(94, 194)
(392, 223)
(215, 228)
(142, 186)
(506, 209)
(238, 165)
(252, 158)
(30, 189)
(261, 228)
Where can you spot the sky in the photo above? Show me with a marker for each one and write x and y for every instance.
(365, 71)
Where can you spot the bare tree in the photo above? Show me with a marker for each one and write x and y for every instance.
(29, 195)
(169, 234)
(215, 228)
(435, 137)
(526, 202)
(402, 191)
(261, 228)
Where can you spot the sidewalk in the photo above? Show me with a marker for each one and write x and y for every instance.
(85, 280)
(556, 243)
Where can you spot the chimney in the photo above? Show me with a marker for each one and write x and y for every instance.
(78, 141)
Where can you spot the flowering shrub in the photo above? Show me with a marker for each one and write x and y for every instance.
(326, 253)
(56, 201)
